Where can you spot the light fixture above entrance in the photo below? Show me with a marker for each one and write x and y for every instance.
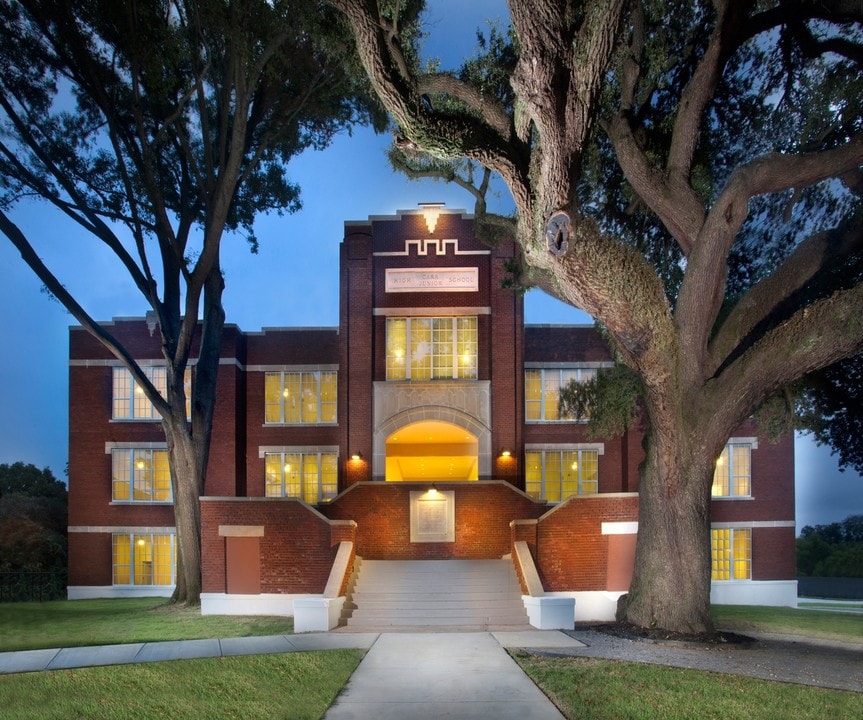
(431, 212)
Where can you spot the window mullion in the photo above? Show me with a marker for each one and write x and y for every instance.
(454, 342)
(408, 346)
(320, 479)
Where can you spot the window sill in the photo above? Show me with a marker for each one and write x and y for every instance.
(733, 498)
(576, 421)
(148, 503)
(299, 425)
(136, 420)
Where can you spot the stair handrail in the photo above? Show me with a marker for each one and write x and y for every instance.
(528, 569)
(340, 570)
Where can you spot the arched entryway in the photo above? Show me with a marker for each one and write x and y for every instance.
(432, 450)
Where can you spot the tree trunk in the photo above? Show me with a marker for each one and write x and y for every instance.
(670, 586)
(187, 482)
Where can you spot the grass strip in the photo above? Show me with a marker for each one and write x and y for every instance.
(612, 690)
(789, 621)
(75, 623)
(299, 686)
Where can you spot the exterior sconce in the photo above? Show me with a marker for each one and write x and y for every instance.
(431, 212)
(505, 454)
(356, 457)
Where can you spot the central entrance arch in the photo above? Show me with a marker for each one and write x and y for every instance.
(432, 450)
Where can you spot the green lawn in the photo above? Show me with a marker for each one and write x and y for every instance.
(610, 690)
(299, 686)
(789, 621)
(72, 623)
(303, 685)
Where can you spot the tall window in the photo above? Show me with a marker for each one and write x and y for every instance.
(542, 391)
(301, 398)
(143, 559)
(733, 474)
(312, 477)
(430, 348)
(731, 553)
(129, 400)
(554, 475)
(140, 476)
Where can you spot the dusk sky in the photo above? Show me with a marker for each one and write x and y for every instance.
(293, 281)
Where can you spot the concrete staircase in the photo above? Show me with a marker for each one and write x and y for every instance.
(473, 594)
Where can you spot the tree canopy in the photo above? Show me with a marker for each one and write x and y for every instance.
(834, 550)
(688, 174)
(33, 514)
(158, 126)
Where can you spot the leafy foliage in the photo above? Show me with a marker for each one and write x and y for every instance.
(834, 550)
(609, 400)
(32, 519)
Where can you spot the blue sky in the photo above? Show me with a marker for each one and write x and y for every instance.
(293, 281)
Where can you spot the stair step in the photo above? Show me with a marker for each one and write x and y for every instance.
(404, 593)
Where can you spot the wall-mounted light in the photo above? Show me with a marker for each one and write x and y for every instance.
(431, 212)
(505, 453)
(356, 456)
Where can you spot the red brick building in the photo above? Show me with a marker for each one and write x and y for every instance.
(426, 425)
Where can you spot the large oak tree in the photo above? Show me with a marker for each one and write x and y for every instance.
(710, 112)
(158, 126)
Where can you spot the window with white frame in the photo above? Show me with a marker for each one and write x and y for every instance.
(310, 476)
(143, 559)
(431, 348)
(542, 392)
(732, 476)
(731, 553)
(140, 475)
(131, 403)
(301, 397)
(554, 475)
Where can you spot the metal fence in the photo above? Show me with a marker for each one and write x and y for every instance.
(830, 587)
(32, 586)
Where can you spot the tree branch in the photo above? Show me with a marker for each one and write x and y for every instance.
(490, 111)
(824, 332)
(56, 288)
(703, 288)
(812, 255)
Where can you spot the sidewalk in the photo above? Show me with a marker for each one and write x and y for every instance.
(78, 657)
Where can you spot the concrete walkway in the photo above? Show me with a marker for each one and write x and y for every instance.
(470, 676)
(408, 676)
(67, 658)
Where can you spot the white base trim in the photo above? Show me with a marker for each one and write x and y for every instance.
(592, 605)
(91, 592)
(547, 612)
(236, 604)
(775, 593)
(317, 614)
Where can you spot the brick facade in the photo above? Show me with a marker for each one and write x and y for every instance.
(577, 545)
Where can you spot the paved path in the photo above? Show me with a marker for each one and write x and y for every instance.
(470, 676)
(66, 658)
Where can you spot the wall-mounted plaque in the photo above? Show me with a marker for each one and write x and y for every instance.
(432, 516)
(463, 279)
